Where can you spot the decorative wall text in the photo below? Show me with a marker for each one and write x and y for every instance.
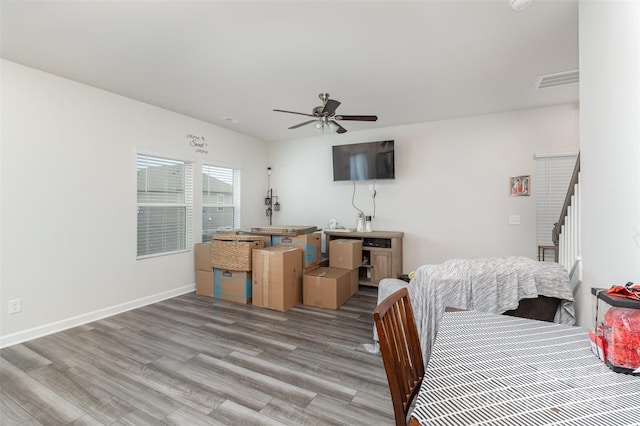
(198, 143)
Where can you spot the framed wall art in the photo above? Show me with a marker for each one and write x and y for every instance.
(520, 186)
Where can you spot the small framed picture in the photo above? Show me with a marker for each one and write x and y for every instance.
(520, 186)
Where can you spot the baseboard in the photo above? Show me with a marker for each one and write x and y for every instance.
(43, 330)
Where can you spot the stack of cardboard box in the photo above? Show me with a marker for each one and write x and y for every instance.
(330, 287)
(232, 278)
(220, 283)
(271, 276)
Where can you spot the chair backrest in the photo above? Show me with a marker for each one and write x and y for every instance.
(401, 351)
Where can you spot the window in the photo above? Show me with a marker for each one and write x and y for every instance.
(165, 205)
(553, 175)
(220, 200)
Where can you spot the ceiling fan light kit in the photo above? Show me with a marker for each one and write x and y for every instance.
(325, 115)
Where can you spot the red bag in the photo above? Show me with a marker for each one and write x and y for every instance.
(629, 290)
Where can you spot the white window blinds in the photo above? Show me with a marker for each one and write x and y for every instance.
(220, 200)
(165, 205)
(553, 175)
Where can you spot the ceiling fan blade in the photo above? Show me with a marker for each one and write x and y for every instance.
(357, 117)
(340, 128)
(302, 124)
(293, 112)
(330, 106)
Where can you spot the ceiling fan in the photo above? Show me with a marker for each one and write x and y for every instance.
(325, 115)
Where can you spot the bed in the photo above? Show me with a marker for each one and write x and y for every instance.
(494, 285)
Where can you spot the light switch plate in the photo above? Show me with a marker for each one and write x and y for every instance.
(15, 306)
(514, 219)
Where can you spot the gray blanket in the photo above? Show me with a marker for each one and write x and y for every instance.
(491, 285)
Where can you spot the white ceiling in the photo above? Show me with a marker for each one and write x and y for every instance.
(407, 62)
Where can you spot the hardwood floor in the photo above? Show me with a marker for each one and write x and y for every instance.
(193, 360)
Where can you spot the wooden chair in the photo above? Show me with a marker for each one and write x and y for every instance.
(401, 351)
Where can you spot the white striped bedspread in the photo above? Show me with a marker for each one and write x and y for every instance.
(489, 369)
(491, 285)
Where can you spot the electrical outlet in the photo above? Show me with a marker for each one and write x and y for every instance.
(514, 219)
(15, 306)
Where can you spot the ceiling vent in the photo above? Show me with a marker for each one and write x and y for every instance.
(558, 79)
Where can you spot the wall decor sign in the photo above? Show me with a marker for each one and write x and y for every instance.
(520, 186)
(198, 143)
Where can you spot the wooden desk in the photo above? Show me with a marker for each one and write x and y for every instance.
(493, 369)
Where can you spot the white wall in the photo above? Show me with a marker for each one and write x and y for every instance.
(68, 209)
(610, 146)
(70, 255)
(451, 192)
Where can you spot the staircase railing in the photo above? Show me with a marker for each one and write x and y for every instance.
(566, 232)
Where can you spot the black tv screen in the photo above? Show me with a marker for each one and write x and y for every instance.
(364, 161)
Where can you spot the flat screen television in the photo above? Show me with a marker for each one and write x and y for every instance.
(364, 161)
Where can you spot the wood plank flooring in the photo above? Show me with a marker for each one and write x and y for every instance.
(193, 360)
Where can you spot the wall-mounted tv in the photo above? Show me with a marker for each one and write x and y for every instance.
(364, 161)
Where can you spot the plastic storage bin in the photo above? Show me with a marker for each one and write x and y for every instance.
(617, 329)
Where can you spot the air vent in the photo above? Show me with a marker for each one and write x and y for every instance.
(558, 79)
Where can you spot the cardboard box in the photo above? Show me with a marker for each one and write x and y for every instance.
(307, 269)
(202, 255)
(310, 244)
(345, 253)
(267, 240)
(234, 286)
(355, 281)
(204, 283)
(277, 277)
(327, 287)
